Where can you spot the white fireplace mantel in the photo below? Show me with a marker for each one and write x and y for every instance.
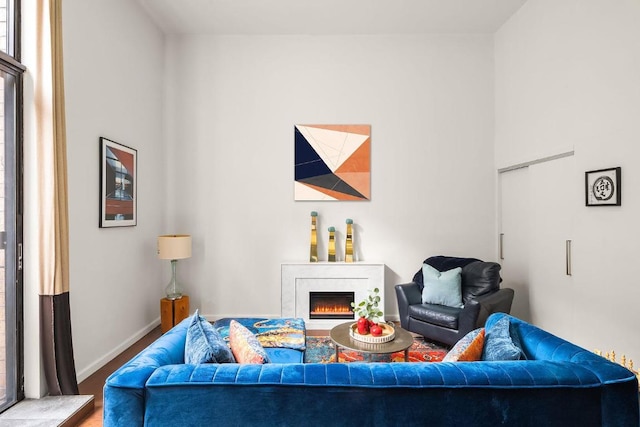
(298, 279)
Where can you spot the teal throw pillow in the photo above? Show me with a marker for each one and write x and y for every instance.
(443, 288)
(499, 344)
(204, 344)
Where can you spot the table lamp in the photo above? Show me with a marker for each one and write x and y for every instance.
(174, 247)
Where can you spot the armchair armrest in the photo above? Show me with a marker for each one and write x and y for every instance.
(407, 294)
(475, 312)
(495, 302)
(468, 317)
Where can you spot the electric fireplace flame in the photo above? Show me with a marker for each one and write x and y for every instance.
(331, 309)
(331, 305)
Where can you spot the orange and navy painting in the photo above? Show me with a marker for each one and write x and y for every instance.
(332, 162)
(117, 184)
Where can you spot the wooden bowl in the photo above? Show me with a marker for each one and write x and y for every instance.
(388, 334)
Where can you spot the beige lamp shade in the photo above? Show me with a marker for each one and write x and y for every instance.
(174, 246)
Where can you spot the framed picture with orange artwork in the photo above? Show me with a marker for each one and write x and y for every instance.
(118, 194)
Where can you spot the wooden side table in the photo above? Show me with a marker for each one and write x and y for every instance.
(173, 311)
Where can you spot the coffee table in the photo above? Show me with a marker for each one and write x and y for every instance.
(341, 338)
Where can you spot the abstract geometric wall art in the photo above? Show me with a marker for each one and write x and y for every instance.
(332, 162)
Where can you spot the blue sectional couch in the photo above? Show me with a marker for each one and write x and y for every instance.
(559, 385)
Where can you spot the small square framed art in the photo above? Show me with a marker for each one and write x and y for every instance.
(603, 187)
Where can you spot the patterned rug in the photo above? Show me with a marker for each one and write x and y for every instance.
(321, 350)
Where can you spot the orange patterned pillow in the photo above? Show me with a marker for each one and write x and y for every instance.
(244, 345)
(468, 349)
(474, 351)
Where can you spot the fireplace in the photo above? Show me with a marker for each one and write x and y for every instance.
(301, 279)
(331, 305)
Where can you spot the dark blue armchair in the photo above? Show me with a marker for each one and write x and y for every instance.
(481, 296)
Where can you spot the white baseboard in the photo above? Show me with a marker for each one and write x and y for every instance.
(93, 367)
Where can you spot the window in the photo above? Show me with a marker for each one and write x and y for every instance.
(11, 384)
(8, 25)
(3, 26)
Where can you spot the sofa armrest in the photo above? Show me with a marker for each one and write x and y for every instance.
(407, 294)
(124, 390)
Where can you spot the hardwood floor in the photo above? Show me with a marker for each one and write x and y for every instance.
(93, 385)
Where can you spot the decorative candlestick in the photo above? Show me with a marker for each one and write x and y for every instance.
(313, 257)
(348, 247)
(332, 244)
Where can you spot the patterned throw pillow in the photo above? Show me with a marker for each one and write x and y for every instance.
(204, 344)
(245, 346)
(468, 349)
(443, 288)
(498, 343)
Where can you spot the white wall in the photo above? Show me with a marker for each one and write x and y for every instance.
(233, 102)
(567, 76)
(114, 65)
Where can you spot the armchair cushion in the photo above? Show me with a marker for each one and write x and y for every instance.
(436, 314)
(442, 288)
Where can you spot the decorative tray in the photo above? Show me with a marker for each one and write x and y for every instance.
(388, 334)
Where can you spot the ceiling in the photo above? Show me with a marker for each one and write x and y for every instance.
(323, 17)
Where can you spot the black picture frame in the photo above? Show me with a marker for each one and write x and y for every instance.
(118, 184)
(603, 187)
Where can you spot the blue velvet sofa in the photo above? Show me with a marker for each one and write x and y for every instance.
(559, 385)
